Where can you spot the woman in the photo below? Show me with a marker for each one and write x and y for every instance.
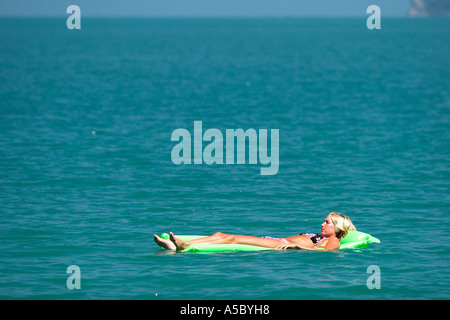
(333, 229)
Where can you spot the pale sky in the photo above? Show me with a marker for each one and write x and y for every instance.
(204, 8)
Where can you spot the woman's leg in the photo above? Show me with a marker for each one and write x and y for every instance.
(165, 243)
(261, 242)
(178, 244)
(222, 238)
(217, 237)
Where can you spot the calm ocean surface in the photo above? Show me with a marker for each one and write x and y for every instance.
(86, 176)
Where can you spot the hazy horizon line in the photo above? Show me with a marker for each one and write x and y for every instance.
(65, 16)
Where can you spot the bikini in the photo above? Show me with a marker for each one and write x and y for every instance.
(315, 237)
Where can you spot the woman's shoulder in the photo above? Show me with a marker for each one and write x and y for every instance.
(332, 243)
(325, 241)
(334, 239)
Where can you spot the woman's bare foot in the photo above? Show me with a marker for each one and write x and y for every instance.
(179, 244)
(165, 243)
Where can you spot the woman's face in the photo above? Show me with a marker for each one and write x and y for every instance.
(328, 229)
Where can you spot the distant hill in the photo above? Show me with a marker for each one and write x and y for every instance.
(427, 8)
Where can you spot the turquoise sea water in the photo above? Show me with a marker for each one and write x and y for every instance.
(86, 176)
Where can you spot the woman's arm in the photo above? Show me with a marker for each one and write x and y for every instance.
(332, 244)
(295, 246)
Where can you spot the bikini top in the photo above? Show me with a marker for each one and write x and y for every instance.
(315, 237)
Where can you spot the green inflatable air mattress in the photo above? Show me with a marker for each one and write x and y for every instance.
(353, 240)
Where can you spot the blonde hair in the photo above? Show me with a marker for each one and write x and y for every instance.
(342, 224)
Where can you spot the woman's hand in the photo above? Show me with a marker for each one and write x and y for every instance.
(289, 246)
